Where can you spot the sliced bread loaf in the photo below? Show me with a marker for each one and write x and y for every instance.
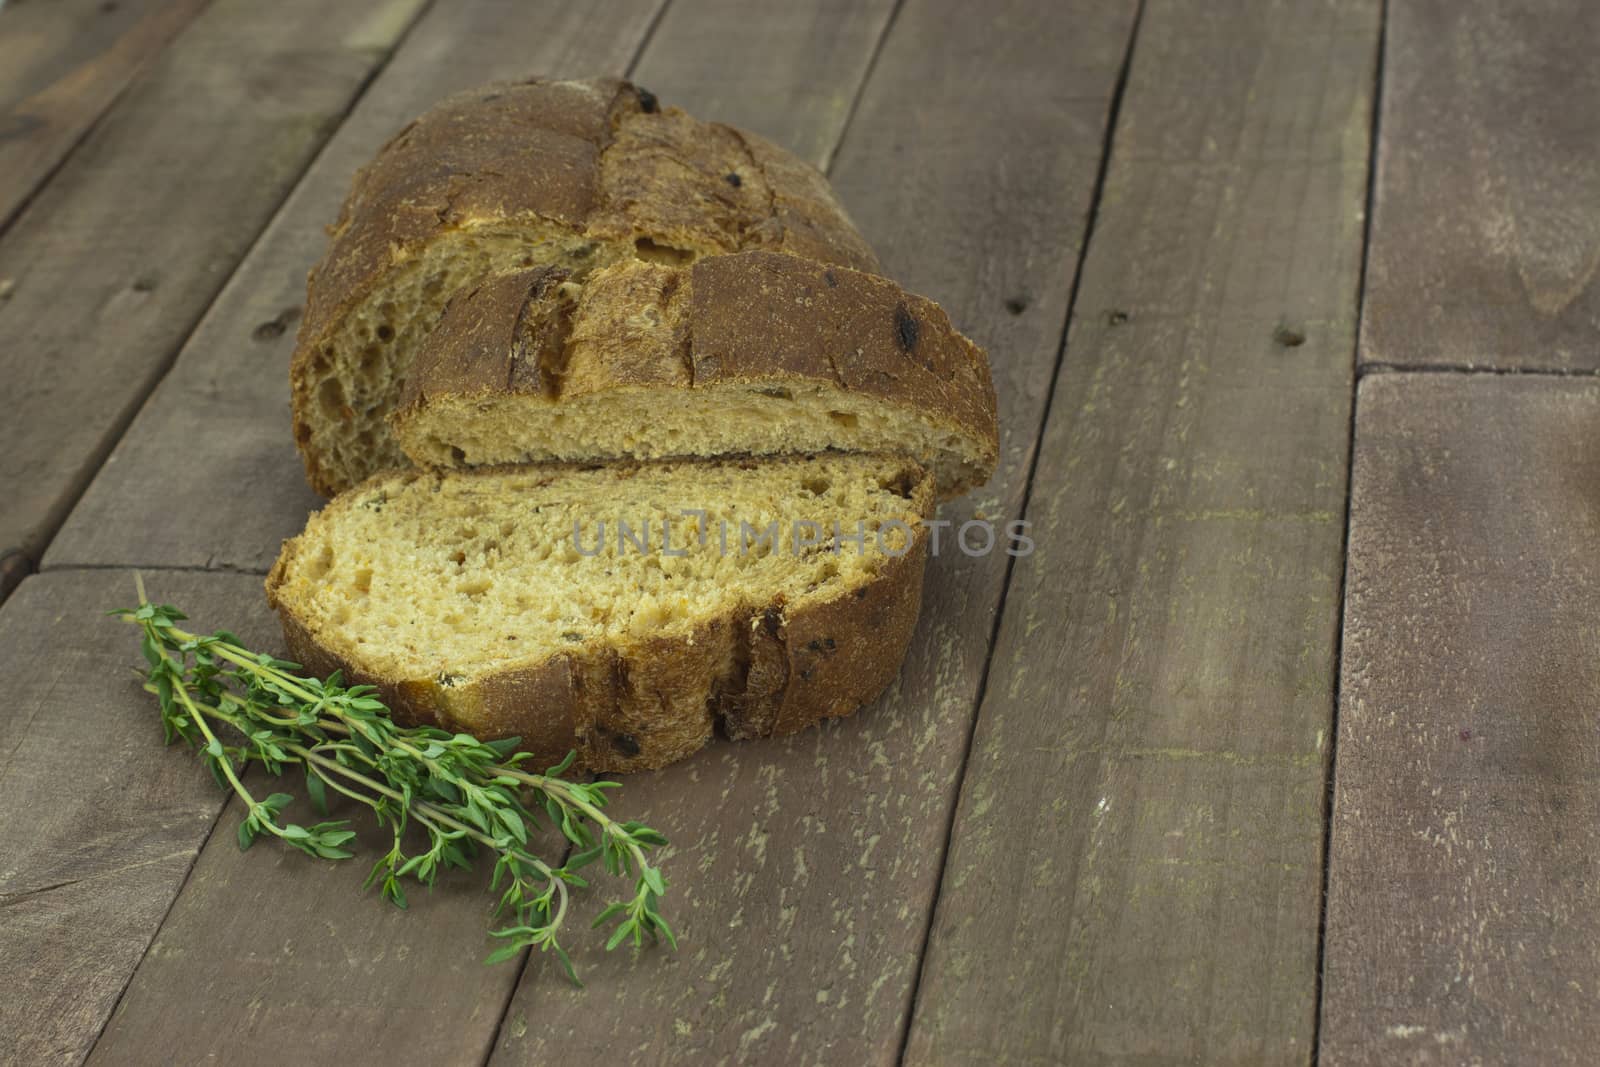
(495, 601)
(752, 353)
(577, 174)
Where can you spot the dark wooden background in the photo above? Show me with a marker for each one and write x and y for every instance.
(1282, 748)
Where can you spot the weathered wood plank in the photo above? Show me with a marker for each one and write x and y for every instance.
(1465, 852)
(98, 823)
(62, 63)
(271, 957)
(229, 386)
(805, 870)
(112, 263)
(1486, 238)
(1134, 874)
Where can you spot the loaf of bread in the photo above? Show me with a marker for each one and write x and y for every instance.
(755, 353)
(515, 602)
(571, 174)
(675, 439)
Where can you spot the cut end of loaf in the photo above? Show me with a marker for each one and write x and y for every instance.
(575, 174)
(346, 385)
(493, 601)
(753, 353)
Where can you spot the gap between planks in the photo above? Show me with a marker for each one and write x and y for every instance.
(1383, 367)
(1344, 546)
(826, 166)
(180, 568)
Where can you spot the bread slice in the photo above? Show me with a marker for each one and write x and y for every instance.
(577, 174)
(754, 353)
(471, 601)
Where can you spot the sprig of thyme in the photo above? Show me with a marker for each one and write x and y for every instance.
(466, 795)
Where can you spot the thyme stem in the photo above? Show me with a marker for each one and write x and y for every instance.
(464, 794)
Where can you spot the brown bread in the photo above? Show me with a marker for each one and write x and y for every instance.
(575, 174)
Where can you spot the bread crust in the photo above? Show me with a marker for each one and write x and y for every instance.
(761, 672)
(598, 159)
(757, 320)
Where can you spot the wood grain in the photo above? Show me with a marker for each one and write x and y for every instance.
(62, 63)
(1465, 853)
(99, 823)
(229, 386)
(43, 41)
(270, 956)
(1135, 870)
(1486, 238)
(804, 870)
(113, 262)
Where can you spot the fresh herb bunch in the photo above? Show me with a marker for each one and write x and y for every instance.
(467, 795)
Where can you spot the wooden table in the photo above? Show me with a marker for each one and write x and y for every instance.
(1282, 746)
